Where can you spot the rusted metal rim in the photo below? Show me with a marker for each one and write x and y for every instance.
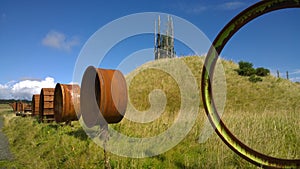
(64, 108)
(223, 37)
(103, 97)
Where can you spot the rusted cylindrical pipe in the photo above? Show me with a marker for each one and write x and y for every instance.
(35, 104)
(66, 102)
(46, 109)
(103, 96)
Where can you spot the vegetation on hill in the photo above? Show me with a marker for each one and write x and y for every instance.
(263, 115)
(246, 69)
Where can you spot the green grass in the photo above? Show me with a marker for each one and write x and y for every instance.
(263, 115)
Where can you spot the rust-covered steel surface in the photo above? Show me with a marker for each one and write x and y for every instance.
(46, 110)
(35, 104)
(20, 106)
(66, 102)
(27, 107)
(17, 106)
(103, 97)
(14, 106)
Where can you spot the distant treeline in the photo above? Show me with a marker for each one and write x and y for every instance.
(7, 101)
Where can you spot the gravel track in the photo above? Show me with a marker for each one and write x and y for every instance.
(4, 145)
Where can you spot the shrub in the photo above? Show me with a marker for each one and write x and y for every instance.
(245, 65)
(254, 79)
(246, 69)
(246, 72)
(262, 71)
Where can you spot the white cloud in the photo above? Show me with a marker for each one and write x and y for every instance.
(189, 7)
(294, 75)
(5, 92)
(232, 5)
(59, 41)
(295, 79)
(73, 83)
(196, 8)
(25, 89)
(275, 74)
(295, 72)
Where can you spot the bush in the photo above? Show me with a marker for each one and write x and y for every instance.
(254, 79)
(246, 72)
(262, 71)
(245, 65)
(246, 69)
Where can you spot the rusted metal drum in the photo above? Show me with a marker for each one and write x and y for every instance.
(103, 96)
(35, 104)
(20, 107)
(14, 106)
(66, 102)
(46, 110)
(27, 108)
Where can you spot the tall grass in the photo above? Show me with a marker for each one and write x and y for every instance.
(265, 116)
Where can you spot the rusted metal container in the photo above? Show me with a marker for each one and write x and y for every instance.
(66, 102)
(103, 96)
(27, 107)
(20, 107)
(14, 106)
(46, 110)
(26, 110)
(35, 104)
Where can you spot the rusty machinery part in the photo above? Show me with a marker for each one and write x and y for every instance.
(35, 104)
(103, 97)
(64, 108)
(46, 110)
(223, 37)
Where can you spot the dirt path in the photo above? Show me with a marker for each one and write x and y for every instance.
(4, 145)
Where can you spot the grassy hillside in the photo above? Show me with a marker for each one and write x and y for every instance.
(263, 115)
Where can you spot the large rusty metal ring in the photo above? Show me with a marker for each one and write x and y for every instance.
(65, 98)
(223, 37)
(103, 98)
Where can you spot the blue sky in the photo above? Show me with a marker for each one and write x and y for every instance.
(42, 39)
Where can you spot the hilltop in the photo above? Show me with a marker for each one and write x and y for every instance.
(255, 112)
(272, 94)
